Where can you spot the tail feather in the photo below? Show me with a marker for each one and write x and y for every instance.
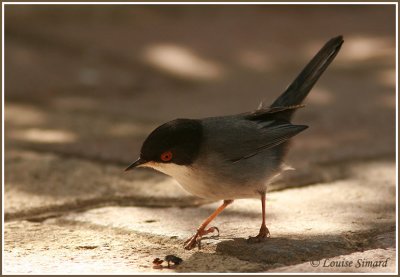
(301, 86)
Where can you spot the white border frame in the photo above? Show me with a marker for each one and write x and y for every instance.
(208, 3)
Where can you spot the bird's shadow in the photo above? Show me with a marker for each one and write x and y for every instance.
(284, 251)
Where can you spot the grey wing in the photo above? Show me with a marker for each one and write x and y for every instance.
(272, 136)
(238, 138)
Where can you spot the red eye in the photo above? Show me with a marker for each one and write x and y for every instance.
(166, 156)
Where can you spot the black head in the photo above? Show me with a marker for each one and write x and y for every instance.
(177, 141)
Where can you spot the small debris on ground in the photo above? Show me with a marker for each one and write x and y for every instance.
(157, 262)
(173, 259)
(86, 247)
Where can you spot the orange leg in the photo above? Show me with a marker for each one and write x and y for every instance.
(201, 231)
(264, 232)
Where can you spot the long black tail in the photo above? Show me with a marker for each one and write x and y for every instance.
(301, 86)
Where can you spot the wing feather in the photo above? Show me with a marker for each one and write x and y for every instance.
(272, 136)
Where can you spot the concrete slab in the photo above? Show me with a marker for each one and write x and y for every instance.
(40, 184)
(341, 220)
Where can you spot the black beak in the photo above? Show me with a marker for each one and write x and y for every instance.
(136, 163)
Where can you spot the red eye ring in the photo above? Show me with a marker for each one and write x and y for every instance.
(166, 156)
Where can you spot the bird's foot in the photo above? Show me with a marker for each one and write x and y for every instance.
(195, 240)
(263, 235)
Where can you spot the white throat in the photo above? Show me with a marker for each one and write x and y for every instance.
(188, 178)
(179, 172)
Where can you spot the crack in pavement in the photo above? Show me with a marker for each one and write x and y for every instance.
(328, 172)
(40, 214)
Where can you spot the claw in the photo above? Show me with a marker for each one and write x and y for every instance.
(192, 242)
(211, 230)
(195, 240)
(263, 235)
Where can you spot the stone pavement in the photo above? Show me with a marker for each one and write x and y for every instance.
(84, 90)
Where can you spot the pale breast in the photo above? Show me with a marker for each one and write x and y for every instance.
(209, 184)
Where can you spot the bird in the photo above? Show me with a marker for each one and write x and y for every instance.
(235, 156)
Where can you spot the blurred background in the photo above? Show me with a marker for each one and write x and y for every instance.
(88, 83)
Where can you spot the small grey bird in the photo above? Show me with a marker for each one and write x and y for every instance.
(236, 156)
